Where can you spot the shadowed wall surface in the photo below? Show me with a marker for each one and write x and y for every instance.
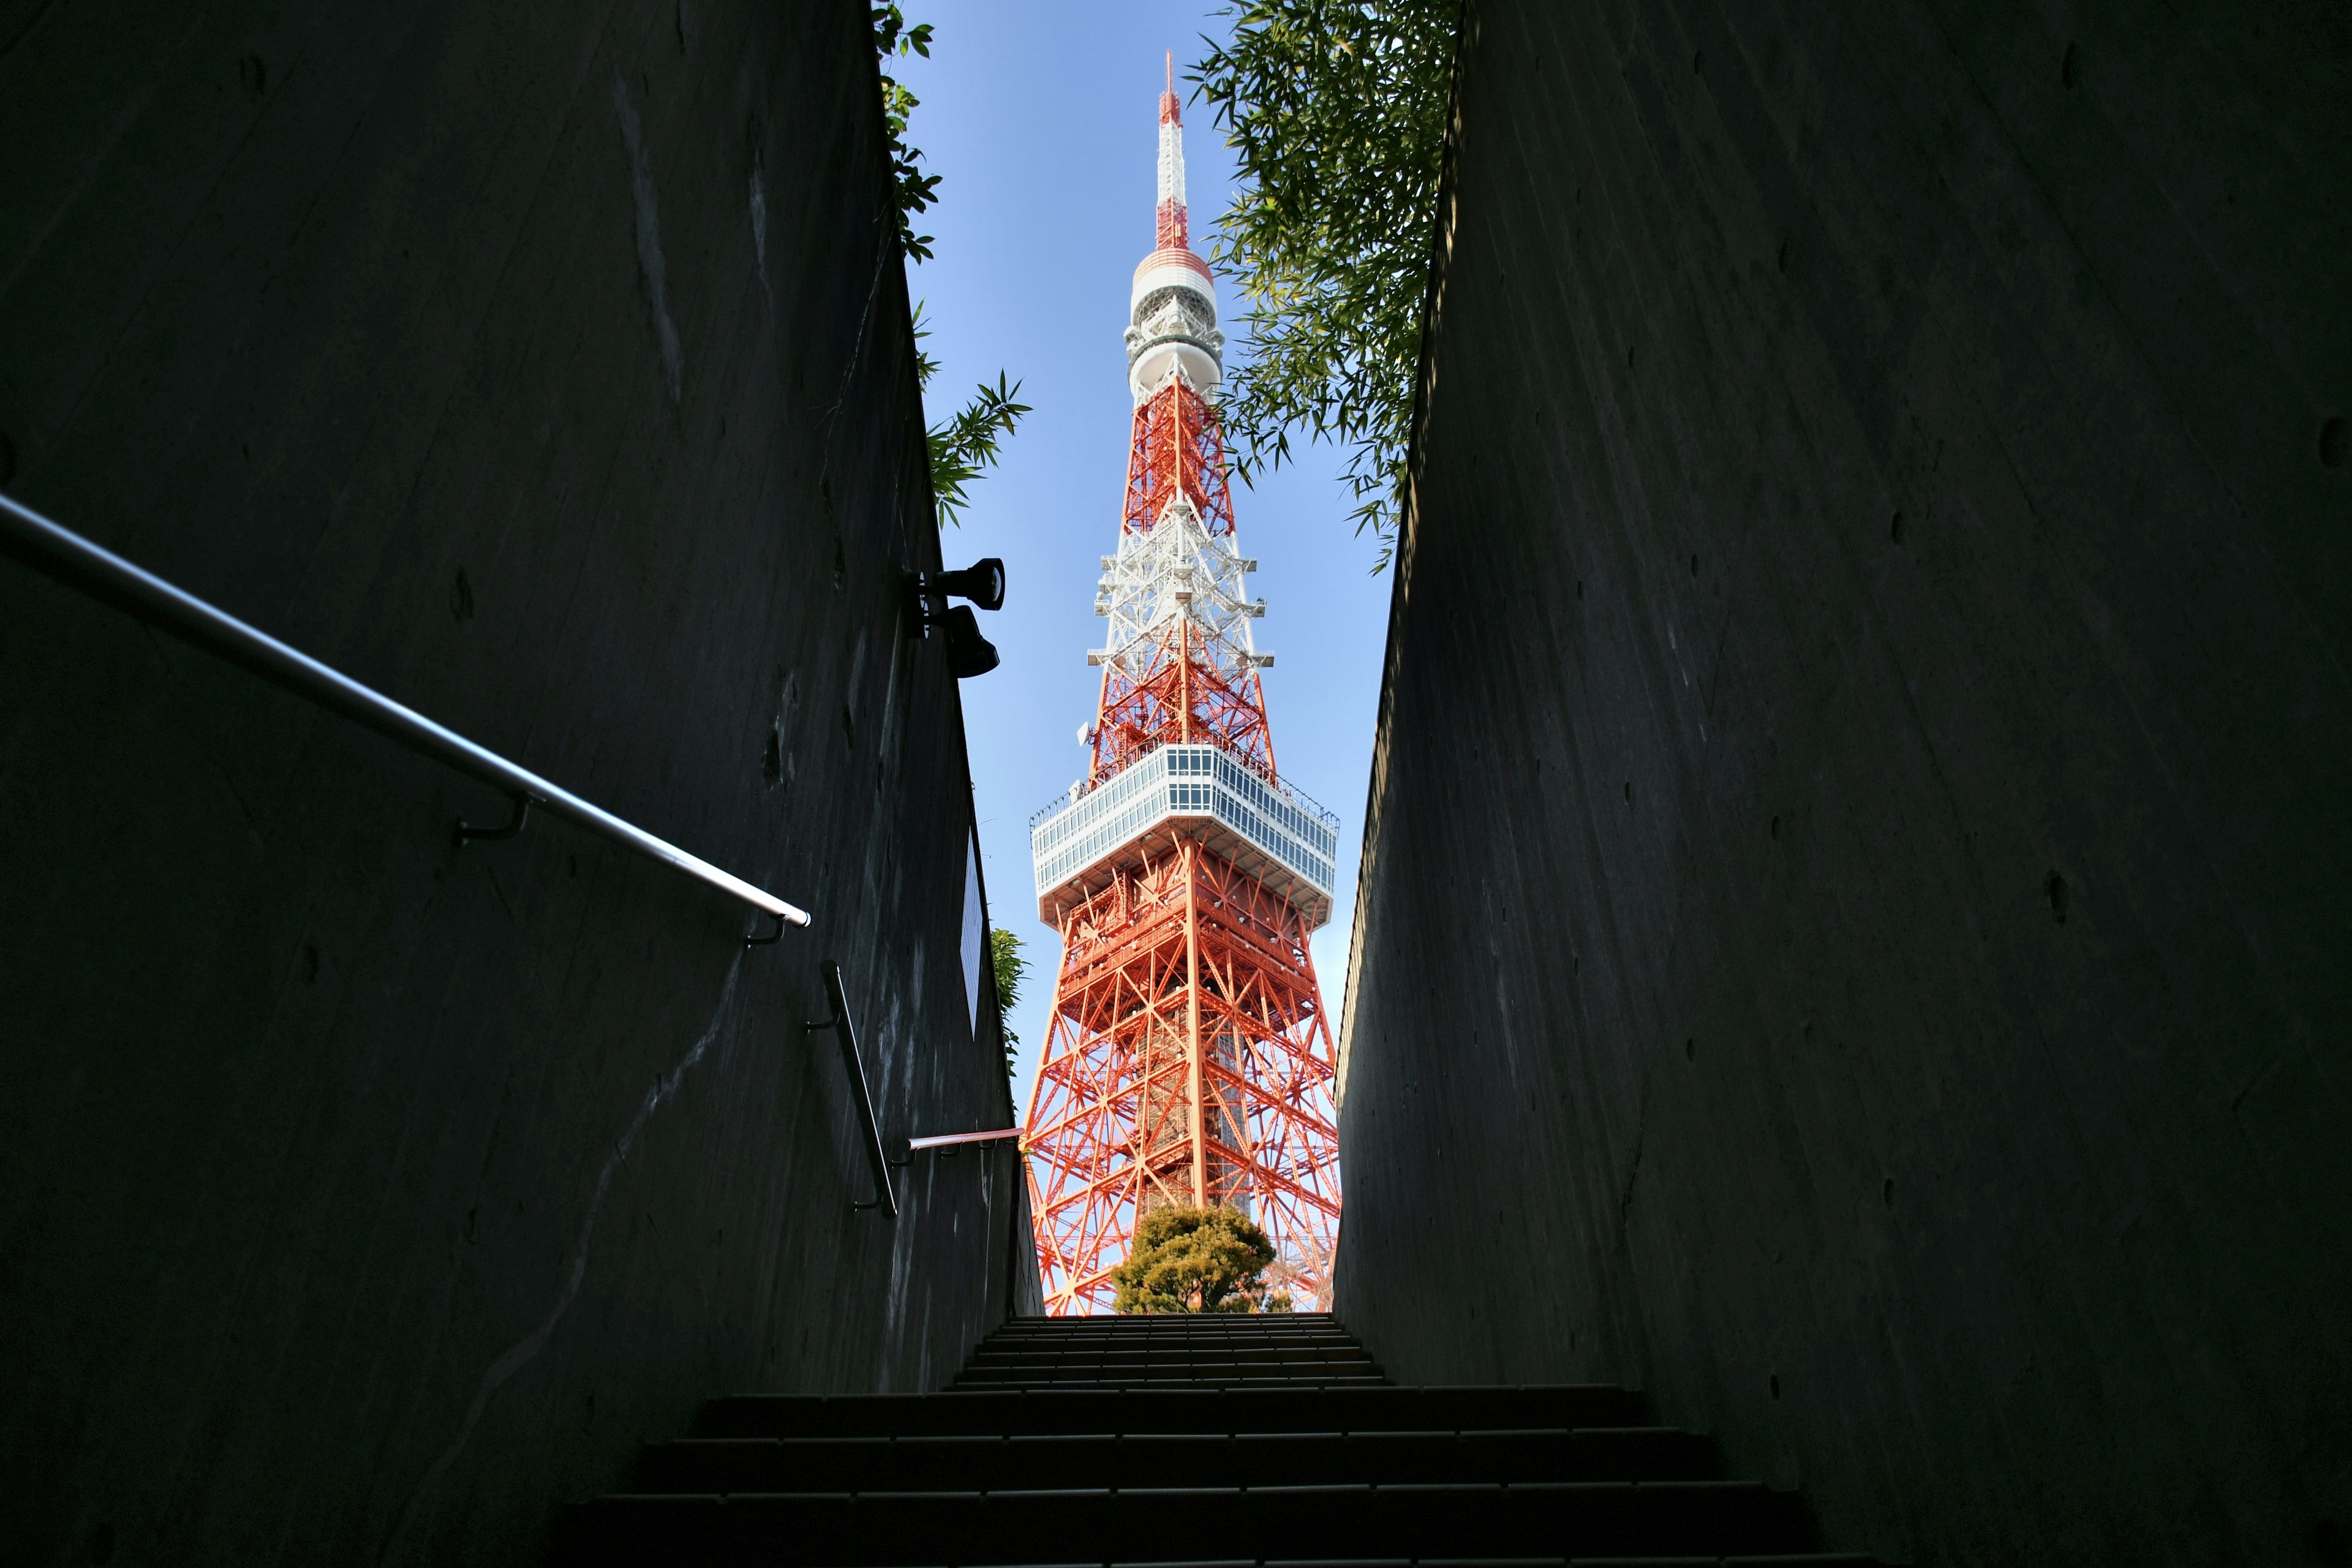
(547, 368)
(1854, 931)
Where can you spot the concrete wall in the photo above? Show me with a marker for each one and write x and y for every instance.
(1855, 925)
(362, 1197)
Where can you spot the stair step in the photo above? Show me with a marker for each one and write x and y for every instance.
(1564, 1518)
(1130, 1323)
(1179, 1355)
(1006, 1413)
(1772, 1559)
(1176, 1371)
(1222, 1355)
(1147, 1329)
(1142, 1440)
(974, 1463)
(1167, 1379)
(1182, 1355)
(1114, 1350)
(1165, 1370)
(1177, 1322)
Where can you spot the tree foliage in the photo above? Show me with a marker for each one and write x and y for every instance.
(1336, 110)
(1187, 1259)
(1005, 959)
(972, 442)
(914, 189)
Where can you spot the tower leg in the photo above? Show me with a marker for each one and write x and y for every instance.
(1193, 1025)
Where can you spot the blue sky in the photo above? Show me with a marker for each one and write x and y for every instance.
(1043, 120)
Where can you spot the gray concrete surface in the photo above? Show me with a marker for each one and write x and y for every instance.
(1854, 923)
(548, 368)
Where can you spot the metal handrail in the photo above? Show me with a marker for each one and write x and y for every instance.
(74, 561)
(846, 1032)
(944, 1139)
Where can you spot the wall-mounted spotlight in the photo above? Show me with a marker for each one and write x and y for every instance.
(983, 583)
(969, 653)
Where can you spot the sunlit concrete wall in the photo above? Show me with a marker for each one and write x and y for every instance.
(362, 1197)
(1855, 935)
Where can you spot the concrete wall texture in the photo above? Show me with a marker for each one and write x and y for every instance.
(1854, 922)
(547, 367)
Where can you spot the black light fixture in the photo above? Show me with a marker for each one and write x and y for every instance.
(983, 583)
(969, 653)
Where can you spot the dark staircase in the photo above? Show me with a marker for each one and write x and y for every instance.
(1192, 1440)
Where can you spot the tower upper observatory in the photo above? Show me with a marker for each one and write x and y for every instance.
(1173, 312)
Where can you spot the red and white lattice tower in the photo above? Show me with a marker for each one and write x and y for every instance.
(1188, 1060)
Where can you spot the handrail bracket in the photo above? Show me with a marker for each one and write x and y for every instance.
(844, 1034)
(59, 553)
(468, 832)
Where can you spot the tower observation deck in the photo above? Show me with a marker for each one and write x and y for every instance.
(1188, 1060)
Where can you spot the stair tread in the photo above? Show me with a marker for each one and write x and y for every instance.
(1478, 1518)
(757, 1465)
(1100, 1431)
(1253, 1434)
(1346, 1408)
(1570, 1490)
(1232, 1355)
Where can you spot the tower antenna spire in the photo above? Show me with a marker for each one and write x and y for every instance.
(1173, 227)
(1188, 1059)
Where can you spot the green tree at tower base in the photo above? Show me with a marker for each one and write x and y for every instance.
(1188, 1260)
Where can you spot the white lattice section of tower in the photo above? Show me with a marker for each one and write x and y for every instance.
(1178, 569)
(1171, 157)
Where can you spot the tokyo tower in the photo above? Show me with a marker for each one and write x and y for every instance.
(1188, 1060)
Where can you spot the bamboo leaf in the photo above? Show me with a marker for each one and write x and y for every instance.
(1336, 110)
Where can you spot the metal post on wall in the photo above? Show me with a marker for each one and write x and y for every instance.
(844, 1033)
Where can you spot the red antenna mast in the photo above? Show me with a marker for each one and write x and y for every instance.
(1188, 1060)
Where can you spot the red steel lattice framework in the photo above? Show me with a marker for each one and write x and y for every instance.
(1188, 1059)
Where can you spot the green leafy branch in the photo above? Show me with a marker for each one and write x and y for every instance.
(1335, 111)
(1005, 958)
(969, 444)
(914, 189)
(972, 442)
